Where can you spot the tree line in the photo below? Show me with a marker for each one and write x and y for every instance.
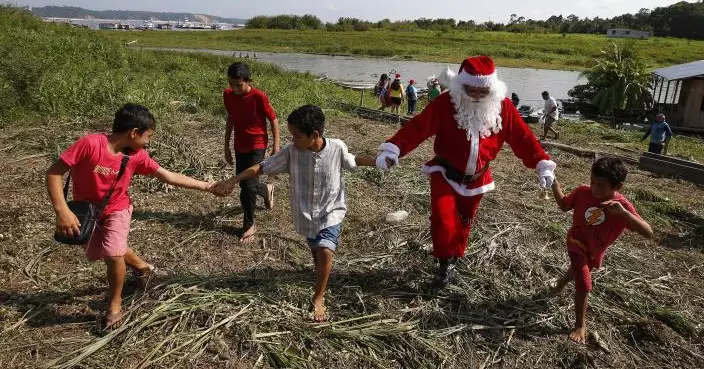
(76, 12)
(682, 20)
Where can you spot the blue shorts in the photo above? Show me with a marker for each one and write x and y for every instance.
(328, 237)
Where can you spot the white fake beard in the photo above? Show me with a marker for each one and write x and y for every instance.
(481, 117)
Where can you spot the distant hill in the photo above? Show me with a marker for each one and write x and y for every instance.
(75, 12)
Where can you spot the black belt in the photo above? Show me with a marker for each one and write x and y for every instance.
(458, 176)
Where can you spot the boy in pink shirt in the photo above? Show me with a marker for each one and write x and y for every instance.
(94, 161)
(600, 215)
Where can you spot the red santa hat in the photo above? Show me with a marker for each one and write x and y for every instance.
(478, 71)
(398, 76)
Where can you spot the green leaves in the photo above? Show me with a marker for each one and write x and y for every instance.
(621, 80)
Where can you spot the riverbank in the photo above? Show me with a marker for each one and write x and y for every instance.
(543, 51)
(58, 74)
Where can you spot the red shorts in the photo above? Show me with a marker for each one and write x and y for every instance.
(109, 238)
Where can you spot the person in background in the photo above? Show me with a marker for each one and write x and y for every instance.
(248, 110)
(551, 115)
(433, 89)
(412, 95)
(382, 84)
(383, 91)
(397, 94)
(660, 135)
(514, 99)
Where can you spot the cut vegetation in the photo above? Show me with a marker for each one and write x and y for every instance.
(223, 304)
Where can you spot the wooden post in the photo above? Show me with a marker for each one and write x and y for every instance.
(361, 99)
(660, 93)
(677, 88)
(656, 80)
(667, 91)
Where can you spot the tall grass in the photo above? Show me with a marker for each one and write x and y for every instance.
(53, 72)
(552, 51)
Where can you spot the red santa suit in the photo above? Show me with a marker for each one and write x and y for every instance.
(465, 145)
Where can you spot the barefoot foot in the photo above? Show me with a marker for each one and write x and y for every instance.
(248, 235)
(112, 320)
(319, 314)
(579, 335)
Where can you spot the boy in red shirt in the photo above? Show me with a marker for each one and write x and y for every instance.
(94, 161)
(247, 112)
(600, 215)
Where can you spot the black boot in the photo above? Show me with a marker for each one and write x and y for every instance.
(446, 273)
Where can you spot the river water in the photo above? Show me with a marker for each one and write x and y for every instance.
(528, 83)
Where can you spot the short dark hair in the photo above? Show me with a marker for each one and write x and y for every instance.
(545, 93)
(131, 116)
(239, 70)
(610, 168)
(308, 118)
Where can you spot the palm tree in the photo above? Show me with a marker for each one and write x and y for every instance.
(621, 80)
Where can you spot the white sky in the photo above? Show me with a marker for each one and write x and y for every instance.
(330, 10)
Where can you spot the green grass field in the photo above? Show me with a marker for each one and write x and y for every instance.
(55, 73)
(550, 51)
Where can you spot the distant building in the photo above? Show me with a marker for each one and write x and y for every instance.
(109, 26)
(627, 33)
(683, 99)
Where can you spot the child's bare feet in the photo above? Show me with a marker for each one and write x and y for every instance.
(319, 312)
(554, 289)
(248, 235)
(112, 320)
(579, 335)
(145, 276)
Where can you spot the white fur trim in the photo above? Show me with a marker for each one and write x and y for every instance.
(546, 165)
(459, 188)
(477, 81)
(473, 151)
(388, 146)
(546, 173)
(446, 77)
(381, 160)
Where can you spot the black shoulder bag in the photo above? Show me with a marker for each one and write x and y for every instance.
(87, 212)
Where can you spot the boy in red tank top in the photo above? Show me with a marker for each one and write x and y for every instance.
(600, 215)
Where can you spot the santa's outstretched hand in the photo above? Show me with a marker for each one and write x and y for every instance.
(546, 173)
(388, 156)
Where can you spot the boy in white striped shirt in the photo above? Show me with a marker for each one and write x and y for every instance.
(317, 189)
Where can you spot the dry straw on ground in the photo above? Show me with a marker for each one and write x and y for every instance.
(223, 304)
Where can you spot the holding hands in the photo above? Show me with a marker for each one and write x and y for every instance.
(546, 173)
(388, 156)
(222, 188)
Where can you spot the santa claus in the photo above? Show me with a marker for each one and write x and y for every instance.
(470, 123)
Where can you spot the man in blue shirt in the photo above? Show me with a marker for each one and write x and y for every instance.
(412, 93)
(660, 134)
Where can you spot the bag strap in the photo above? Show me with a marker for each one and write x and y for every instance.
(68, 180)
(123, 166)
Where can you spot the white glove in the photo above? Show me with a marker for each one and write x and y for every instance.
(387, 150)
(546, 173)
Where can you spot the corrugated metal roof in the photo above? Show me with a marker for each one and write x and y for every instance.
(682, 71)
